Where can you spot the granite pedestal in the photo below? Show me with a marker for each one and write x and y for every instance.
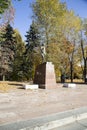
(45, 76)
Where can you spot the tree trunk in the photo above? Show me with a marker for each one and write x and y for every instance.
(82, 48)
(71, 70)
(85, 70)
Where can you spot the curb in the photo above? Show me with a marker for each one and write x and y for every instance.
(57, 123)
(49, 121)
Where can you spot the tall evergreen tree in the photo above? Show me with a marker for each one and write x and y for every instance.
(7, 51)
(18, 59)
(32, 39)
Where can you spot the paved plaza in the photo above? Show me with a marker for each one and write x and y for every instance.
(19, 104)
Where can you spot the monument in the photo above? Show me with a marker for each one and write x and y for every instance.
(45, 74)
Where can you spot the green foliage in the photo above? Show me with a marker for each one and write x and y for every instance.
(7, 51)
(4, 4)
(56, 24)
(18, 58)
(48, 15)
(32, 39)
(84, 24)
(55, 27)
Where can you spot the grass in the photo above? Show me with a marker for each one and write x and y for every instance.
(75, 80)
(6, 86)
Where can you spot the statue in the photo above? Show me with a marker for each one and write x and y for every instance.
(45, 73)
(43, 53)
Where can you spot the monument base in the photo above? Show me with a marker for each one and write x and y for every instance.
(45, 76)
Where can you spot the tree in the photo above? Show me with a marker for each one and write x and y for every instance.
(83, 32)
(55, 24)
(32, 40)
(18, 57)
(4, 4)
(6, 18)
(48, 15)
(8, 15)
(7, 51)
(70, 27)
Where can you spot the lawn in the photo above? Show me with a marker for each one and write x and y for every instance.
(6, 86)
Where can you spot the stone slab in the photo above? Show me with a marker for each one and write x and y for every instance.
(69, 85)
(29, 86)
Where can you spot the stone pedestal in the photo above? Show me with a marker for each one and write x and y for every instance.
(45, 76)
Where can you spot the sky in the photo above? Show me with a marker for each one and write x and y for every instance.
(23, 13)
